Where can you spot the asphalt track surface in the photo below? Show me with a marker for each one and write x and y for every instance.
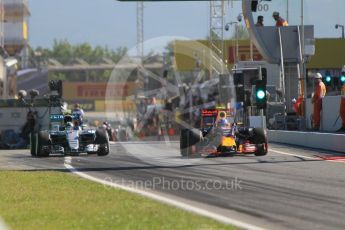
(290, 188)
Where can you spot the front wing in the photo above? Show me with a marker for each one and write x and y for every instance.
(231, 145)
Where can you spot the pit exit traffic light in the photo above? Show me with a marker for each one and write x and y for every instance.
(260, 94)
(328, 80)
(342, 80)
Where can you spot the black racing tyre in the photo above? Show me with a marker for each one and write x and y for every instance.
(189, 138)
(261, 150)
(103, 150)
(259, 136)
(184, 135)
(43, 140)
(91, 153)
(101, 136)
(260, 139)
(102, 140)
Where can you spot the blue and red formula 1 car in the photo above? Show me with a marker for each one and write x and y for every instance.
(218, 137)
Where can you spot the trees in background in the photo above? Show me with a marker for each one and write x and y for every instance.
(66, 53)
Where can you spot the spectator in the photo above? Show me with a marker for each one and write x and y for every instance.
(260, 21)
(279, 20)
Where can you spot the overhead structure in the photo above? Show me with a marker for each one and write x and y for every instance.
(216, 37)
(289, 46)
(15, 25)
(140, 30)
(2, 23)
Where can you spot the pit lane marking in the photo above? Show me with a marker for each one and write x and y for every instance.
(162, 199)
(338, 159)
(335, 159)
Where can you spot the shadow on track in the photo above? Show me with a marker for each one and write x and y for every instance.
(148, 166)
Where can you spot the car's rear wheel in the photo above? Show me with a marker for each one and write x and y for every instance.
(260, 139)
(261, 150)
(102, 140)
(189, 138)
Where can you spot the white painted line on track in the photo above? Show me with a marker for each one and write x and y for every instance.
(162, 199)
(306, 157)
(293, 154)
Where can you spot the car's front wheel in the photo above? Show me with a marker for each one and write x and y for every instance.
(102, 140)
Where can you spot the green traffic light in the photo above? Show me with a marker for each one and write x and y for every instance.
(260, 94)
(342, 79)
(328, 79)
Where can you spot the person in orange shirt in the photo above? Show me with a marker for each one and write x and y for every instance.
(279, 20)
(319, 94)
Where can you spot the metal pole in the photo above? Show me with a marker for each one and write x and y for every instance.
(222, 38)
(236, 42)
(302, 24)
(5, 82)
(304, 75)
(251, 51)
(300, 66)
(261, 110)
(282, 67)
(342, 30)
(140, 30)
(2, 62)
(210, 42)
(287, 10)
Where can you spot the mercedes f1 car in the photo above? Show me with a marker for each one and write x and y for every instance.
(218, 137)
(69, 137)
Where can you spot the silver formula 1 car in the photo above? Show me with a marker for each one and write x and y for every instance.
(69, 137)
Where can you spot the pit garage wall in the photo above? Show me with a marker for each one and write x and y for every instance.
(319, 140)
(330, 120)
(13, 116)
(326, 141)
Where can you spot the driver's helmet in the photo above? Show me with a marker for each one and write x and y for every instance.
(222, 122)
(76, 116)
(69, 125)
